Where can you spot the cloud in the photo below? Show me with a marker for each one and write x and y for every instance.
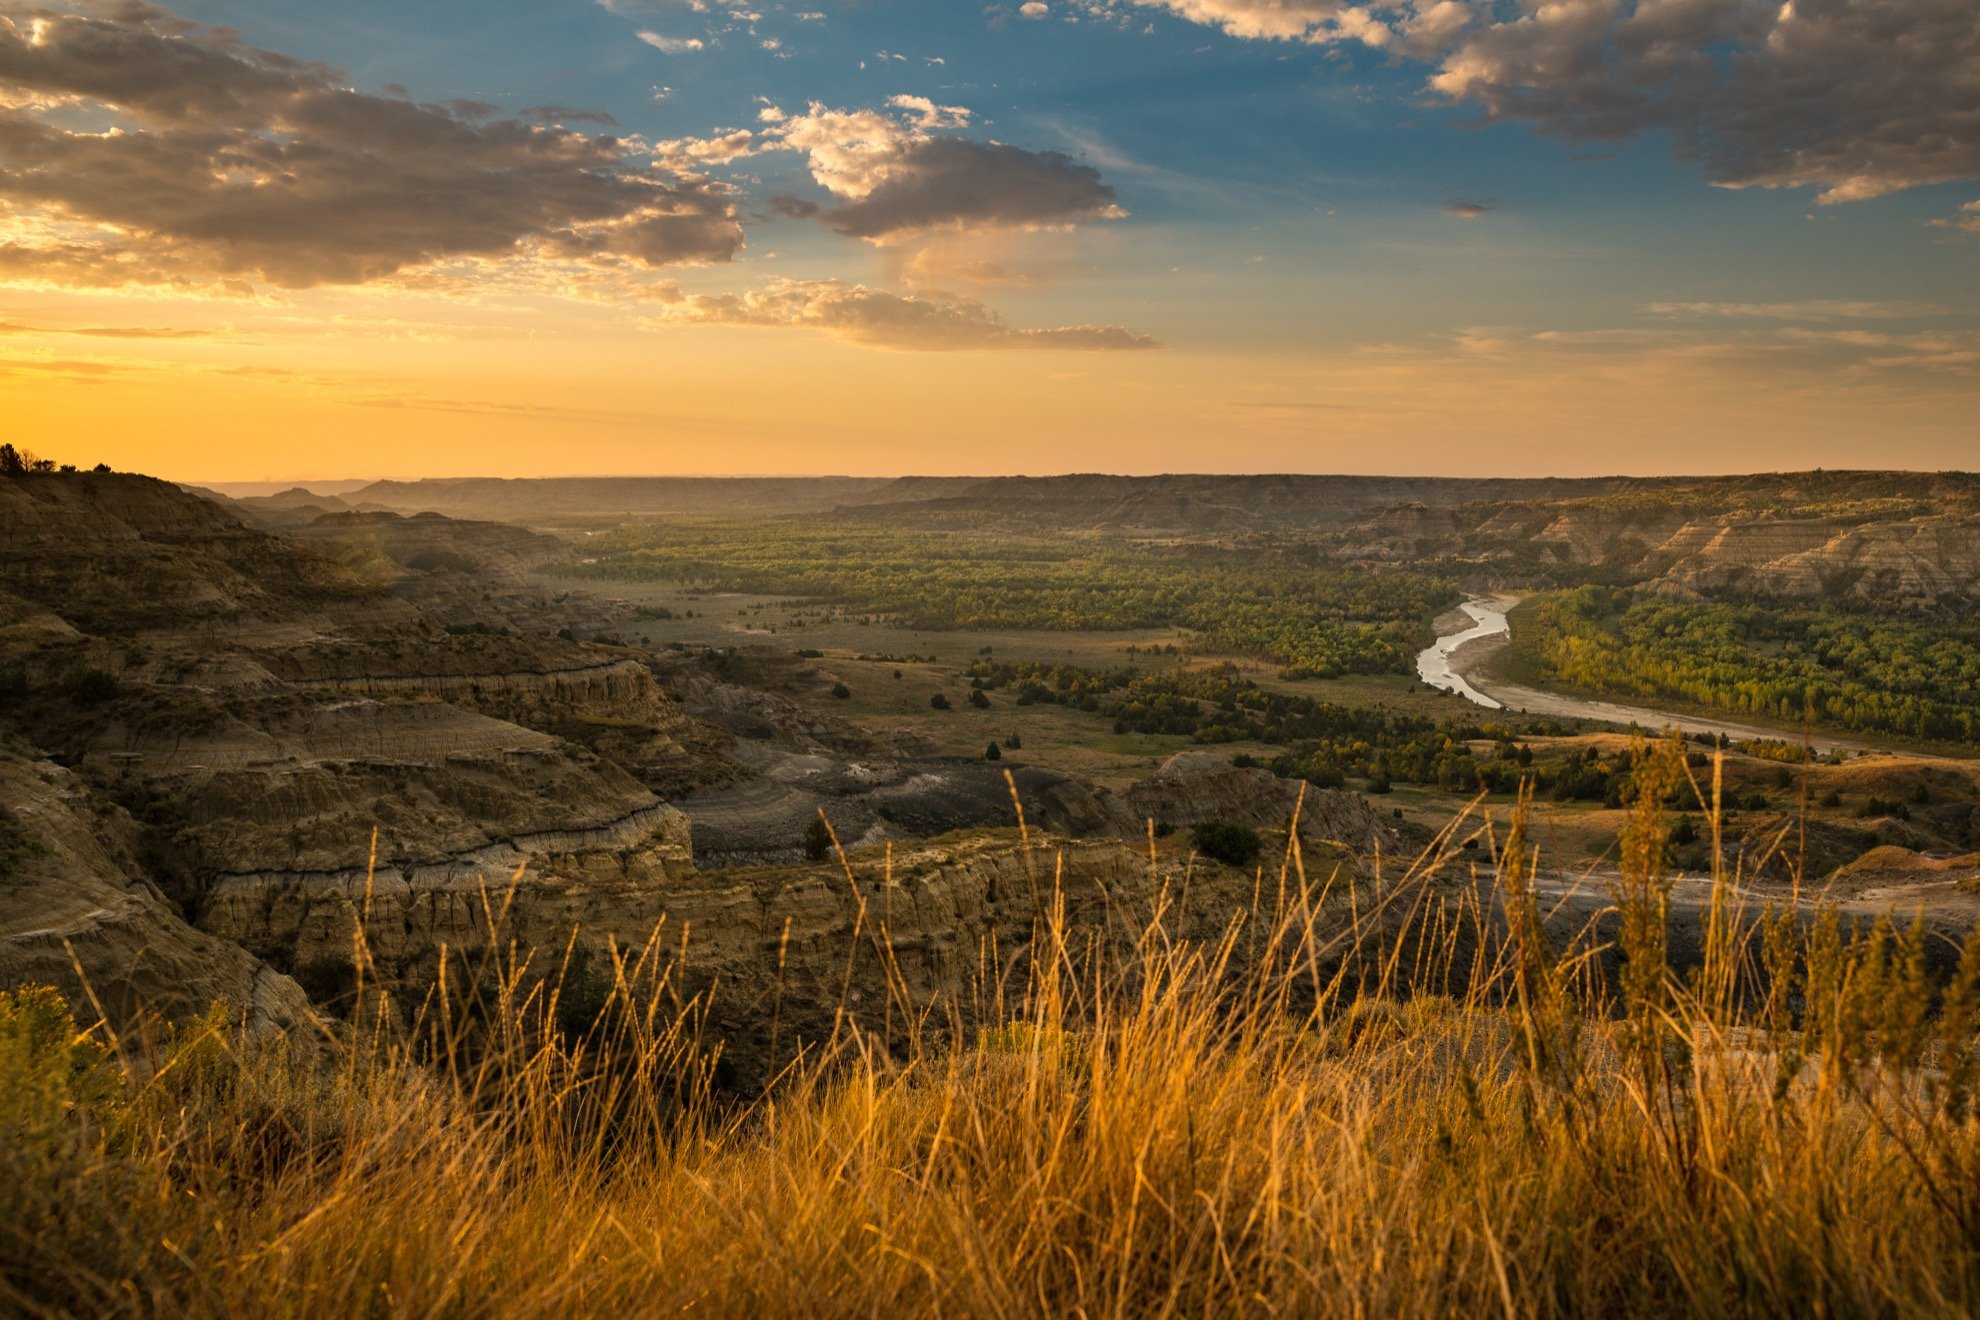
(566, 114)
(1967, 218)
(672, 45)
(885, 320)
(954, 182)
(222, 163)
(1034, 9)
(1855, 98)
(1315, 21)
(1464, 210)
(102, 331)
(694, 153)
(1814, 309)
(896, 174)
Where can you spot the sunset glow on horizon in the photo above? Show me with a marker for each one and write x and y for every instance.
(269, 241)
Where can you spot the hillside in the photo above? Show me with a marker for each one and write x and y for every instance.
(540, 499)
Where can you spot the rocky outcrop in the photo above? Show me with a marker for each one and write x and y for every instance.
(1192, 787)
(77, 913)
(1919, 559)
(297, 916)
(538, 682)
(262, 726)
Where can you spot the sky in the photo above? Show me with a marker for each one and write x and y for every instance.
(246, 240)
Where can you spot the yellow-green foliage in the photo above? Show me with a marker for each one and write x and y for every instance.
(1316, 620)
(1895, 676)
(1280, 1121)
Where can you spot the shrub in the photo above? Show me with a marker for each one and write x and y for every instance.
(817, 840)
(89, 686)
(978, 699)
(1232, 844)
(939, 702)
(993, 753)
(841, 691)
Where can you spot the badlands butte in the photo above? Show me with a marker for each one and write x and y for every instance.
(236, 722)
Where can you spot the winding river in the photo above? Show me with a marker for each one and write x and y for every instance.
(1435, 666)
(1455, 661)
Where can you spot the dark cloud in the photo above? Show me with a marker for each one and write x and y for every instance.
(233, 162)
(797, 208)
(565, 114)
(886, 320)
(1854, 97)
(936, 182)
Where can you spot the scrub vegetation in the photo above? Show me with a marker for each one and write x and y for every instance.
(1287, 606)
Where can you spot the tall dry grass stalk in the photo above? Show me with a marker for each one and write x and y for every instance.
(1435, 1113)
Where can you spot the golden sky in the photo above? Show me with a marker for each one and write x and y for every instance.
(520, 251)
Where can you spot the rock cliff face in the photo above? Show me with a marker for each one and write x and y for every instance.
(1919, 558)
(73, 895)
(262, 706)
(795, 942)
(528, 681)
(1809, 536)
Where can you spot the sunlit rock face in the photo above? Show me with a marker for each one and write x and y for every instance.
(925, 929)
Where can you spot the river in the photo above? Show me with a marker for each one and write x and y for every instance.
(1454, 664)
(1435, 664)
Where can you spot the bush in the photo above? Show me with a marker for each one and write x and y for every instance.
(817, 840)
(841, 691)
(993, 753)
(978, 699)
(88, 686)
(1224, 841)
(939, 702)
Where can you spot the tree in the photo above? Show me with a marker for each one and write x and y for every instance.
(817, 840)
(11, 462)
(1014, 742)
(978, 699)
(939, 702)
(993, 753)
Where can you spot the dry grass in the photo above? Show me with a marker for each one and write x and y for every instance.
(1272, 1123)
